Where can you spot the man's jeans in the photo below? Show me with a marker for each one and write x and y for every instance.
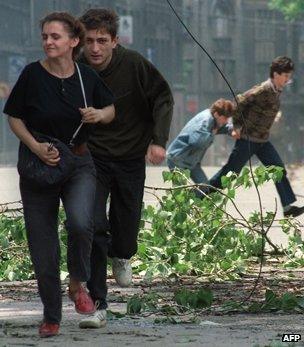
(115, 235)
(41, 207)
(267, 154)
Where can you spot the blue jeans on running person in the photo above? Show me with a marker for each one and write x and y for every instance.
(267, 154)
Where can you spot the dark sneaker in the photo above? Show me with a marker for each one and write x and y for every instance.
(294, 211)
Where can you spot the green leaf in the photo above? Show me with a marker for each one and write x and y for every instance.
(231, 193)
(134, 305)
(204, 298)
(167, 176)
(270, 296)
(300, 301)
(194, 299)
(114, 315)
(225, 181)
(289, 302)
(180, 216)
(255, 307)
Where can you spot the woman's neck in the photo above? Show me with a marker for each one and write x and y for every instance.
(62, 68)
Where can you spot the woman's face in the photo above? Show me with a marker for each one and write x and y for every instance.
(56, 41)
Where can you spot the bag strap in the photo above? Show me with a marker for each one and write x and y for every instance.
(81, 85)
(71, 143)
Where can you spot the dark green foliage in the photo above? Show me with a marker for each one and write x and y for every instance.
(15, 263)
(184, 234)
(14, 259)
(201, 298)
(288, 302)
(134, 305)
(291, 9)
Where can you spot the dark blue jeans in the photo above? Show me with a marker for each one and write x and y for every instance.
(267, 154)
(116, 234)
(41, 209)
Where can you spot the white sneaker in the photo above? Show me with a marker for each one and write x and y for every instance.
(122, 271)
(95, 320)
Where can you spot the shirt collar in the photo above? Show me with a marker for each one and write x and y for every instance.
(274, 88)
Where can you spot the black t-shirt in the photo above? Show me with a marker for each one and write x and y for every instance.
(50, 105)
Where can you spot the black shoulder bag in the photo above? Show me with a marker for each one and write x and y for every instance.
(34, 170)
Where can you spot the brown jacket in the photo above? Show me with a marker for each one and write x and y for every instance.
(256, 111)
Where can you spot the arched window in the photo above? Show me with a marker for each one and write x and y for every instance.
(222, 15)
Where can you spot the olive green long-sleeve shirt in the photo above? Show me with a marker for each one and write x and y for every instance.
(143, 108)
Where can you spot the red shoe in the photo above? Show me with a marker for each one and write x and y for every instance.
(48, 329)
(83, 302)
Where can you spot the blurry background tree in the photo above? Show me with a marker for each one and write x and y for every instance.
(290, 8)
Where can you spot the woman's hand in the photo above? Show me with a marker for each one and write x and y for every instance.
(47, 153)
(93, 115)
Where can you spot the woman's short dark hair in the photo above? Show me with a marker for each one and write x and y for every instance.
(73, 26)
(101, 18)
(281, 64)
(223, 107)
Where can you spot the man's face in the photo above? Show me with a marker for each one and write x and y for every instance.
(98, 48)
(280, 80)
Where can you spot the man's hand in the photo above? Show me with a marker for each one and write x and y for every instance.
(155, 154)
(236, 134)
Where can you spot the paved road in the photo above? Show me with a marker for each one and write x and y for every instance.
(19, 321)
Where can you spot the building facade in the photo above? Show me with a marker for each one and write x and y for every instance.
(144, 27)
(242, 36)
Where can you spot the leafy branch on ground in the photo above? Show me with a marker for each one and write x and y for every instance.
(186, 305)
(185, 234)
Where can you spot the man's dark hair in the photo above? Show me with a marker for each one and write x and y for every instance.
(101, 18)
(281, 64)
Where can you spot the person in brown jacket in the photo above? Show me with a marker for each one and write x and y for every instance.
(256, 112)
